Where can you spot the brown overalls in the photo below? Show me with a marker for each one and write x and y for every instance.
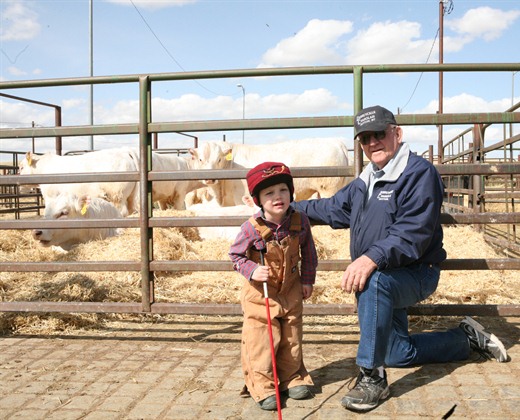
(286, 307)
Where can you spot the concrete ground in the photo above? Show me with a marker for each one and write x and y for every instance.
(188, 367)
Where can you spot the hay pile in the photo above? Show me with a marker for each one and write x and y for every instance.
(492, 287)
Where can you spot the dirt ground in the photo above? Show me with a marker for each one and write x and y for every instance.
(188, 367)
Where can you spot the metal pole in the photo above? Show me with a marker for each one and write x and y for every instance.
(445, 6)
(145, 193)
(440, 143)
(57, 118)
(243, 107)
(91, 55)
(358, 106)
(513, 88)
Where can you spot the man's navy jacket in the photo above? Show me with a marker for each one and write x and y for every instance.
(400, 224)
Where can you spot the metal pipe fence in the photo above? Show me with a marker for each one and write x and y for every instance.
(146, 222)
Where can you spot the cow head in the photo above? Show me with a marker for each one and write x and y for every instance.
(28, 164)
(211, 156)
(69, 206)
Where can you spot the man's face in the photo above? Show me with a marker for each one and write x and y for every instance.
(381, 146)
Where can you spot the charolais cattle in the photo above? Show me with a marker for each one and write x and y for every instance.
(71, 207)
(124, 195)
(226, 192)
(199, 196)
(298, 153)
(172, 192)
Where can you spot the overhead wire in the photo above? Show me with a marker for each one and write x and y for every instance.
(167, 51)
(447, 8)
(421, 75)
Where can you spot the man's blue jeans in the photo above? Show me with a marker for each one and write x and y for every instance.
(383, 321)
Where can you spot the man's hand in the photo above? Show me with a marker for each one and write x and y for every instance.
(357, 273)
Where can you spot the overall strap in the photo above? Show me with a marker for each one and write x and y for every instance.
(296, 222)
(266, 233)
(261, 228)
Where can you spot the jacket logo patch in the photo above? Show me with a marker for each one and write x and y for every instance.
(385, 195)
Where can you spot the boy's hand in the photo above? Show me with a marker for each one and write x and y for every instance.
(261, 273)
(307, 290)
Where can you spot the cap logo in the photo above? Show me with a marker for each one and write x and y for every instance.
(367, 117)
(272, 171)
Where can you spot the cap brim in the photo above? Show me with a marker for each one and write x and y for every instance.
(375, 126)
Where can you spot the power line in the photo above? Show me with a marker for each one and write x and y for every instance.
(166, 49)
(156, 37)
(447, 8)
(421, 75)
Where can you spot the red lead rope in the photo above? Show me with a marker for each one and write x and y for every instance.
(271, 342)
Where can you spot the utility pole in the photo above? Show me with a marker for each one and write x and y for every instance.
(445, 6)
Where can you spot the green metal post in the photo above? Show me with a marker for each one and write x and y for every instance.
(358, 106)
(145, 165)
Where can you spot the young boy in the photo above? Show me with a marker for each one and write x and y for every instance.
(284, 237)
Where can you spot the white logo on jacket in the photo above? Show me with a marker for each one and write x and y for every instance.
(385, 195)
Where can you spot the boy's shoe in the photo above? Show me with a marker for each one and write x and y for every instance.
(299, 392)
(369, 389)
(484, 343)
(268, 404)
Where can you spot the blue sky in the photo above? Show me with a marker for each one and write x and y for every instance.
(49, 39)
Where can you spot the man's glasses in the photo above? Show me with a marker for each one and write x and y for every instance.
(364, 139)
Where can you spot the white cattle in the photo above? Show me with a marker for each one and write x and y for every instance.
(298, 153)
(72, 207)
(226, 192)
(171, 192)
(124, 195)
(199, 196)
(213, 209)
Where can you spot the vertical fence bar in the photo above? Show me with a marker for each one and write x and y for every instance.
(358, 106)
(145, 144)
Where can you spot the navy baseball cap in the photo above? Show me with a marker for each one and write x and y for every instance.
(374, 118)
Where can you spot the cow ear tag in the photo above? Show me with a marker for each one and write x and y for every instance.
(84, 208)
(29, 160)
(229, 156)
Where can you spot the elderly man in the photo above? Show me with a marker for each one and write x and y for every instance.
(393, 212)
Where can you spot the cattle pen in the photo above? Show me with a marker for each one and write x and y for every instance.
(482, 189)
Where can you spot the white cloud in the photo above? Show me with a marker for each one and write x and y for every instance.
(466, 103)
(483, 22)
(18, 22)
(323, 42)
(152, 4)
(194, 107)
(389, 42)
(72, 104)
(17, 114)
(313, 101)
(456, 43)
(15, 71)
(318, 43)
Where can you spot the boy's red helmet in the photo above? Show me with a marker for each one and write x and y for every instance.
(267, 174)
